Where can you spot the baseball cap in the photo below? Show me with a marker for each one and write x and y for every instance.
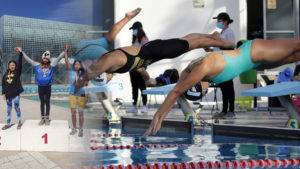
(136, 25)
(223, 16)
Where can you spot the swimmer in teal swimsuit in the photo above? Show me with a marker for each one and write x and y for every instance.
(222, 66)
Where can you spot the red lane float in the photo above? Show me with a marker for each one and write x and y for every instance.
(267, 163)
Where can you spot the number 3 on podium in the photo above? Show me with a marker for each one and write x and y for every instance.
(45, 137)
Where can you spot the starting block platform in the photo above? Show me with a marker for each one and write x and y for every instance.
(260, 132)
(162, 90)
(104, 88)
(282, 91)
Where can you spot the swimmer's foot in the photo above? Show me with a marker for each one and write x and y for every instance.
(215, 35)
(132, 14)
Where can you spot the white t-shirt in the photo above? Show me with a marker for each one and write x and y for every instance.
(228, 35)
(143, 41)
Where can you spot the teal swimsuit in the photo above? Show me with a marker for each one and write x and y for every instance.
(235, 65)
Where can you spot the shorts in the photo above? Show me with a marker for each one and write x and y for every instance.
(77, 100)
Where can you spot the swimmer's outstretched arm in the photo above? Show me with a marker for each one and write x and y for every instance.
(186, 81)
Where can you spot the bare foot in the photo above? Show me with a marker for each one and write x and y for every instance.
(215, 35)
(132, 14)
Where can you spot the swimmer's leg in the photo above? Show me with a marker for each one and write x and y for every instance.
(116, 28)
(197, 40)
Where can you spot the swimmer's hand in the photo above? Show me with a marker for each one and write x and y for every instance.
(18, 49)
(154, 126)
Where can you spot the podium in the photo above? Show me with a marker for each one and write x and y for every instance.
(54, 137)
(10, 139)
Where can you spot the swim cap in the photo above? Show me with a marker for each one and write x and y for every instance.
(194, 93)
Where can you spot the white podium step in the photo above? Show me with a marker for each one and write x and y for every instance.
(54, 137)
(10, 139)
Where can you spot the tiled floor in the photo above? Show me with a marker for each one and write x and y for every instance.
(27, 160)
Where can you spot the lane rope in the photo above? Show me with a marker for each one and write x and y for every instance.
(243, 164)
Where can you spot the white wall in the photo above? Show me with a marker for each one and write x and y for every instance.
(163, 19)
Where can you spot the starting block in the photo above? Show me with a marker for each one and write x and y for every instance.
(121, 101)
(282, 91)
(112, 115)
(54, 137)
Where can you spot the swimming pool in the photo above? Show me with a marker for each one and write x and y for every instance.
(114, 150)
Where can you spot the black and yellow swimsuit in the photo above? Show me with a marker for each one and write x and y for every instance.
(133, 62)
(154, 51)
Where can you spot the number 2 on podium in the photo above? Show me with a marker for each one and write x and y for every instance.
(45, 137)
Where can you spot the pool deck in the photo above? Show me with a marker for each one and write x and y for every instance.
(30, 110)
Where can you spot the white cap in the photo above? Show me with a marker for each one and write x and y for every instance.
(46, 55)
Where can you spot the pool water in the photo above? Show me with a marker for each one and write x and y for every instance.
(200, 147)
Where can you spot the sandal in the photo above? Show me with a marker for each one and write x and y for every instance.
(6, 127)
